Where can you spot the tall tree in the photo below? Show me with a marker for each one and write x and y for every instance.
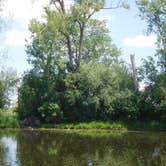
(71, 34)
(154, 12)
(154, 96)
(58, 47)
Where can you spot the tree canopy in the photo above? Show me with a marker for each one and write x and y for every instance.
(77, 74)
(154, 75)
(154, 12)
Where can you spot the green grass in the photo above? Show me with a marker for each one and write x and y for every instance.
(122, 126)
(8, 119)
(90, 125)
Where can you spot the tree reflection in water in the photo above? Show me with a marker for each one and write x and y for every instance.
(44, 148)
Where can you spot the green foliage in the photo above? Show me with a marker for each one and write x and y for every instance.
(38, 97)
(61, 87)
(51, 112)
(147, 125)
(114, 125)
(76, 75)
(154, 13)
(8, 119)
(2, 94)
(8, 82)
(148, 71)
(154, 97)
(71, 35)
(94, 93)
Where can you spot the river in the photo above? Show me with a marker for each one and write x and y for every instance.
(85, 148)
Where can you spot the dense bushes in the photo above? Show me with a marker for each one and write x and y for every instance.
(94, 92)
(153, 100)
(8, 119)
(38, 97)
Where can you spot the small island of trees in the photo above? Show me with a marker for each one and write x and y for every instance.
(77, 74)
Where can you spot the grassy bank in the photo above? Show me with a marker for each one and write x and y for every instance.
(110, 126)
(8, 119)
(90, 125)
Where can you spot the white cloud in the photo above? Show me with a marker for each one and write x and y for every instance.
(24, 9)
(16, 38)
(141, 41)
(27, 9)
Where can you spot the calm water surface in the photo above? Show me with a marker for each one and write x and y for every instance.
(50, 148)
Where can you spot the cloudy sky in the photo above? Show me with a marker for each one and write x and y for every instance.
(126, 29)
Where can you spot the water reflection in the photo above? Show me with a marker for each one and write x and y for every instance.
(8, 155)
(39, 148)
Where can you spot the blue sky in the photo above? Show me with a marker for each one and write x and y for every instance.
(126, 29)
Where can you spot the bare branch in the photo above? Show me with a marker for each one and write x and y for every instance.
(61, 4)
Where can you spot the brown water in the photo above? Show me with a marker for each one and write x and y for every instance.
(46, 148)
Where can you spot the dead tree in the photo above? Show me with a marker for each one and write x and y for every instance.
(135, 75)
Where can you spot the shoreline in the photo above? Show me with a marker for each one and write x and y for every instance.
(95, 126)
